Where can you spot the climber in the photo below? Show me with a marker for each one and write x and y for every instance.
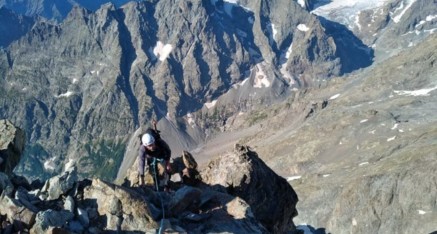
(154, 154)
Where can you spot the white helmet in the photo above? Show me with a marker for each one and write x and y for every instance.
(147, 139)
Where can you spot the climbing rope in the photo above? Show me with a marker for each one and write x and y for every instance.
(155, 165)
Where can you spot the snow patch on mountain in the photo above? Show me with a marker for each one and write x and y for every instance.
(69, 165)
(402, 10)
(95, 72)
(190, 120)
(237, 85)
(347, 9)
(260, 77)
(334, 96)
(50, 164)
(391, 138)
(429, 18)
(302, 27)
(421, 212)
(420, 92)
(162, 51)
(210, 105)
(301, 3)
(285, 55)
(291, 178)
(67, 94)
(272, 32)
(430, 31)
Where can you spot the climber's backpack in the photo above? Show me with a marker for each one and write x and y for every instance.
(155, 133)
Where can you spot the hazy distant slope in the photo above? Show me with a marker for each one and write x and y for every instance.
(361, 150)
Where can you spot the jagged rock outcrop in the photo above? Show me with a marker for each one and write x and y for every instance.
(58, 185)
(65, 204)
(242, 173)
(11, 146)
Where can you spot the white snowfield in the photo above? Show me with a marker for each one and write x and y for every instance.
(351, 6)
(350, 9)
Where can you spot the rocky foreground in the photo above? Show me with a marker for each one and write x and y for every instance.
(237, 193)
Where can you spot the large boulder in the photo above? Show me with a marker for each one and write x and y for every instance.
(222, 213)
(123, 208)
(60, 184)
(16, 214)
(243, 174)
(11, 146)
(49, 219)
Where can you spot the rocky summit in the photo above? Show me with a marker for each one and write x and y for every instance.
(253, 200)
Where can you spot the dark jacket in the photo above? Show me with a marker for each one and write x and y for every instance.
(162, 151)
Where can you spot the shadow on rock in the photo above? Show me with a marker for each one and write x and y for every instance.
(353, 53)
(308, 229)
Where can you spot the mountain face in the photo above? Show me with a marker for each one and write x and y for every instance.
(388, 26)
(82, 87)
(359, 151)
(375, 141)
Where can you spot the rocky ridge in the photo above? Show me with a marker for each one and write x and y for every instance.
(66, 204)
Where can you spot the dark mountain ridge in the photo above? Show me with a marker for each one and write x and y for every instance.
(120, 67)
